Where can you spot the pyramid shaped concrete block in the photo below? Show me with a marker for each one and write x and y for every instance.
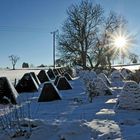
(60, 71)
(56, 72)
(63, 83)
(27, 84)
(49, 93)
(67, 75)
(7, 90)
(43, 76)
(56, 79)
(129, 97)
(104, 78)
(35, 78)
(51, 74)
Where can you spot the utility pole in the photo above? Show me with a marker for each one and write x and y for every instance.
(54, 36)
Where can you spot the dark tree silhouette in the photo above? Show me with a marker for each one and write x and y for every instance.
(104, 52)
(133, 58)
(25, 65)
(14, 59)
(86, 34)
(79, 30)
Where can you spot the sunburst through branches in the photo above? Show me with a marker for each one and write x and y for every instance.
(121, 41)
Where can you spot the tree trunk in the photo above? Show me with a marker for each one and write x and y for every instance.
(97, 64)
(109, 63)
(90, 61)
(13, 67)
(84, 60)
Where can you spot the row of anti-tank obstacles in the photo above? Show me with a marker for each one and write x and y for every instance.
(53, 80)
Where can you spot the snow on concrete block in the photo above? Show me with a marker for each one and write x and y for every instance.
(126, 73)
(105, 79)
(129, 97)
(116, 76)
(35, 78)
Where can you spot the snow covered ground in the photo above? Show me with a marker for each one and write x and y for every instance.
(12, 74)
(73, 117)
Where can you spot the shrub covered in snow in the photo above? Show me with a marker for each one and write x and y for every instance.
(101, 87)
(87, 75)
(97, 87)
(94, 84)
(91, 90)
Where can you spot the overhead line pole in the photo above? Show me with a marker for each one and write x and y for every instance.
(54, 36)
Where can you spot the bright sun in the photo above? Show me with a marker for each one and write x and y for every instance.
(120, 42)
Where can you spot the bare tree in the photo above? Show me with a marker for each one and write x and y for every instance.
(133, 57)
(104, 52)
(79, 31)
(14, 59)
(86, 35)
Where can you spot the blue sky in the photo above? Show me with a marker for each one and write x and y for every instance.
(25, 26)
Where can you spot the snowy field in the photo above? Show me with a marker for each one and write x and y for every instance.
(12, 74)
(74, 117)
(130, 67)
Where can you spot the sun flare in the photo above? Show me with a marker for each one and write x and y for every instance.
(120, 42)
